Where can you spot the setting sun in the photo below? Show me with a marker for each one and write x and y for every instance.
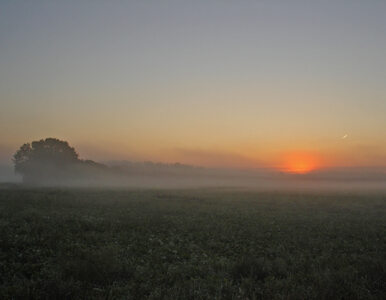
(300, 162)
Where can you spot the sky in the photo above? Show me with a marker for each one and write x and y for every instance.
(243, 84)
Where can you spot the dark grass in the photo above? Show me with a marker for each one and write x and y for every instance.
(211, 244)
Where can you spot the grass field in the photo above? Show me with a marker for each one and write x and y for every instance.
(191, 244)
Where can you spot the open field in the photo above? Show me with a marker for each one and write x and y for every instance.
(191, 244)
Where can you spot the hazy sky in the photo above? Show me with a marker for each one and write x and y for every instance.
(225, 83)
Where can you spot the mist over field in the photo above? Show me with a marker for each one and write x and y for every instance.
(7, 174)
(124, 174)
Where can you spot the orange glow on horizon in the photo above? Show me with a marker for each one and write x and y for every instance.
(301, 162)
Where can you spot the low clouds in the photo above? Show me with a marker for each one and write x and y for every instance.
(212, 158)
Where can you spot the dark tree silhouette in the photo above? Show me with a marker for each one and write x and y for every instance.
(45, 160)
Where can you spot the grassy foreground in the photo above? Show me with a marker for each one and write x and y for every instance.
(213, 244)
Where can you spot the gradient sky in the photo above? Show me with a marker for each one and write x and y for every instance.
(213, 83)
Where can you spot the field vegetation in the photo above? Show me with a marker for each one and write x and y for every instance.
(191, 244)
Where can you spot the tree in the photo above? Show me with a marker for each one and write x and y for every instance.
(44, 160)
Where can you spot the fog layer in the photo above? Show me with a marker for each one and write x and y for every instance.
(158, 175)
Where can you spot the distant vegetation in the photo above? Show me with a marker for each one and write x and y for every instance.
(51, 161)
(54, 162)
(106, 244)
